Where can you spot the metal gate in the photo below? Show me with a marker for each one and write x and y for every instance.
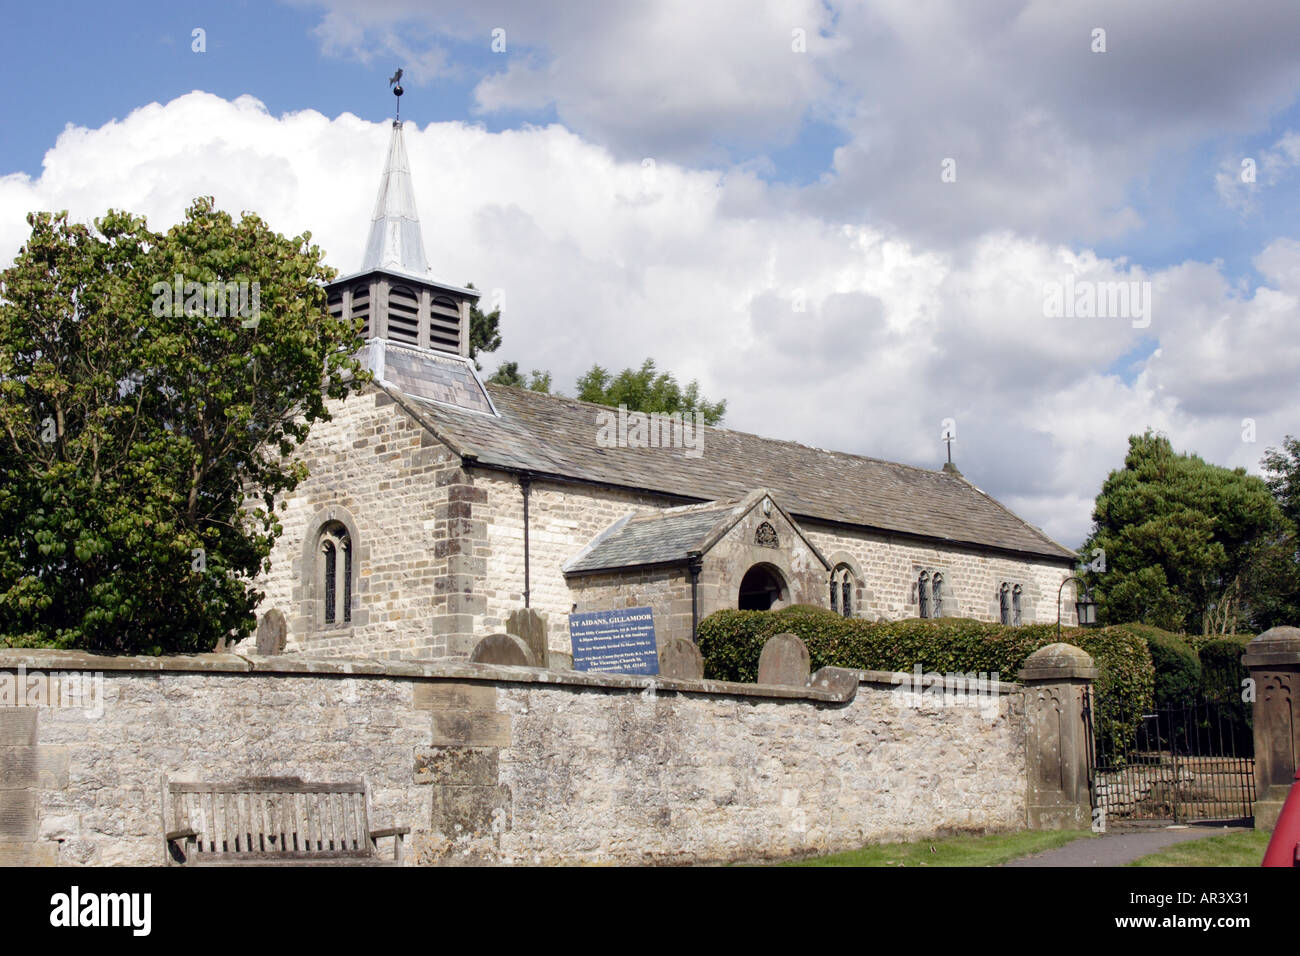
(1189, 763)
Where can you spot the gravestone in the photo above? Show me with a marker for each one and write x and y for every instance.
(681, 659)
(784, 661)
(271, 631)
(501, 649)
(530, 627)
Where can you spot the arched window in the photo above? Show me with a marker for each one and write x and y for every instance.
(842, 582)
(1015, 605)
(936, 594)
(335, 574)
(1004, 603)
(923, 593)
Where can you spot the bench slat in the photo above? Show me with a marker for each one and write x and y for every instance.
(363, 831)
(337, 854)
(263, 785)
(344, 823)
(341, 816)
(350, 815)
(308, 822)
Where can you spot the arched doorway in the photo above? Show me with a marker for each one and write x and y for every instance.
(760, 588)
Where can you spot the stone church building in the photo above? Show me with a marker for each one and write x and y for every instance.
(437, 505)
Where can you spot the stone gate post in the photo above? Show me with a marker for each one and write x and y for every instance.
(1273, 660)
(1055, 678)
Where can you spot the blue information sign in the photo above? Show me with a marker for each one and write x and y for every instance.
(620, 641)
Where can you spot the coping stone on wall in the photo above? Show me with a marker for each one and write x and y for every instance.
(839, 680)
(300, 665)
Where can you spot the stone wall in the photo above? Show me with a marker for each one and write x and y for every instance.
(387, 479)
(888, 567)
(508, 765)
(562, 520)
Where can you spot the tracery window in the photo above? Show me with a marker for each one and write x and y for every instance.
(842, 582)
(335, 573)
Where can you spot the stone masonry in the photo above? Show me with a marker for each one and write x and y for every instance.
(512, 765)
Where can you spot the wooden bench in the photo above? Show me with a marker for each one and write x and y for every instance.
(273, 820)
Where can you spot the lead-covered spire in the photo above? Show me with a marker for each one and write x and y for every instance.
(395, 241)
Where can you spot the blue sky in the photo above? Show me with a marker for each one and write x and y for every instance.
(781, 175)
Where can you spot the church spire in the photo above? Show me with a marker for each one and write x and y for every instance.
(395, 241)
(393, 297)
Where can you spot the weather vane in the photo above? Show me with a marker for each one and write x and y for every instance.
(395, 81)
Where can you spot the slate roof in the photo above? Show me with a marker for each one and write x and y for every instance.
(656, 538)
(555, 436)
(669, 536)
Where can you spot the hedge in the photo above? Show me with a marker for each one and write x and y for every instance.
(731, 642)
(1222, 679)
(1222, 672)
(1178, 668)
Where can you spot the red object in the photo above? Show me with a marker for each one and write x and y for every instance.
(1284, 847)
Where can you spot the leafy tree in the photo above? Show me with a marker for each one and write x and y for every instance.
(1281, 573)
(644, 391)
(508, 374)
(1189, 545)
(144, 436)
(641, 390)
(1282, 470)
(484, 335)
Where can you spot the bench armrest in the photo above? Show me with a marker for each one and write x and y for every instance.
(180, 835)
(397, 832)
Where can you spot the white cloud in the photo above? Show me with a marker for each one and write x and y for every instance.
(1049, 137)
(671, 78)
(1240, 179)
(701, 268)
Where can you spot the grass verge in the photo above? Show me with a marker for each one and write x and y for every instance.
(1231, 849)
